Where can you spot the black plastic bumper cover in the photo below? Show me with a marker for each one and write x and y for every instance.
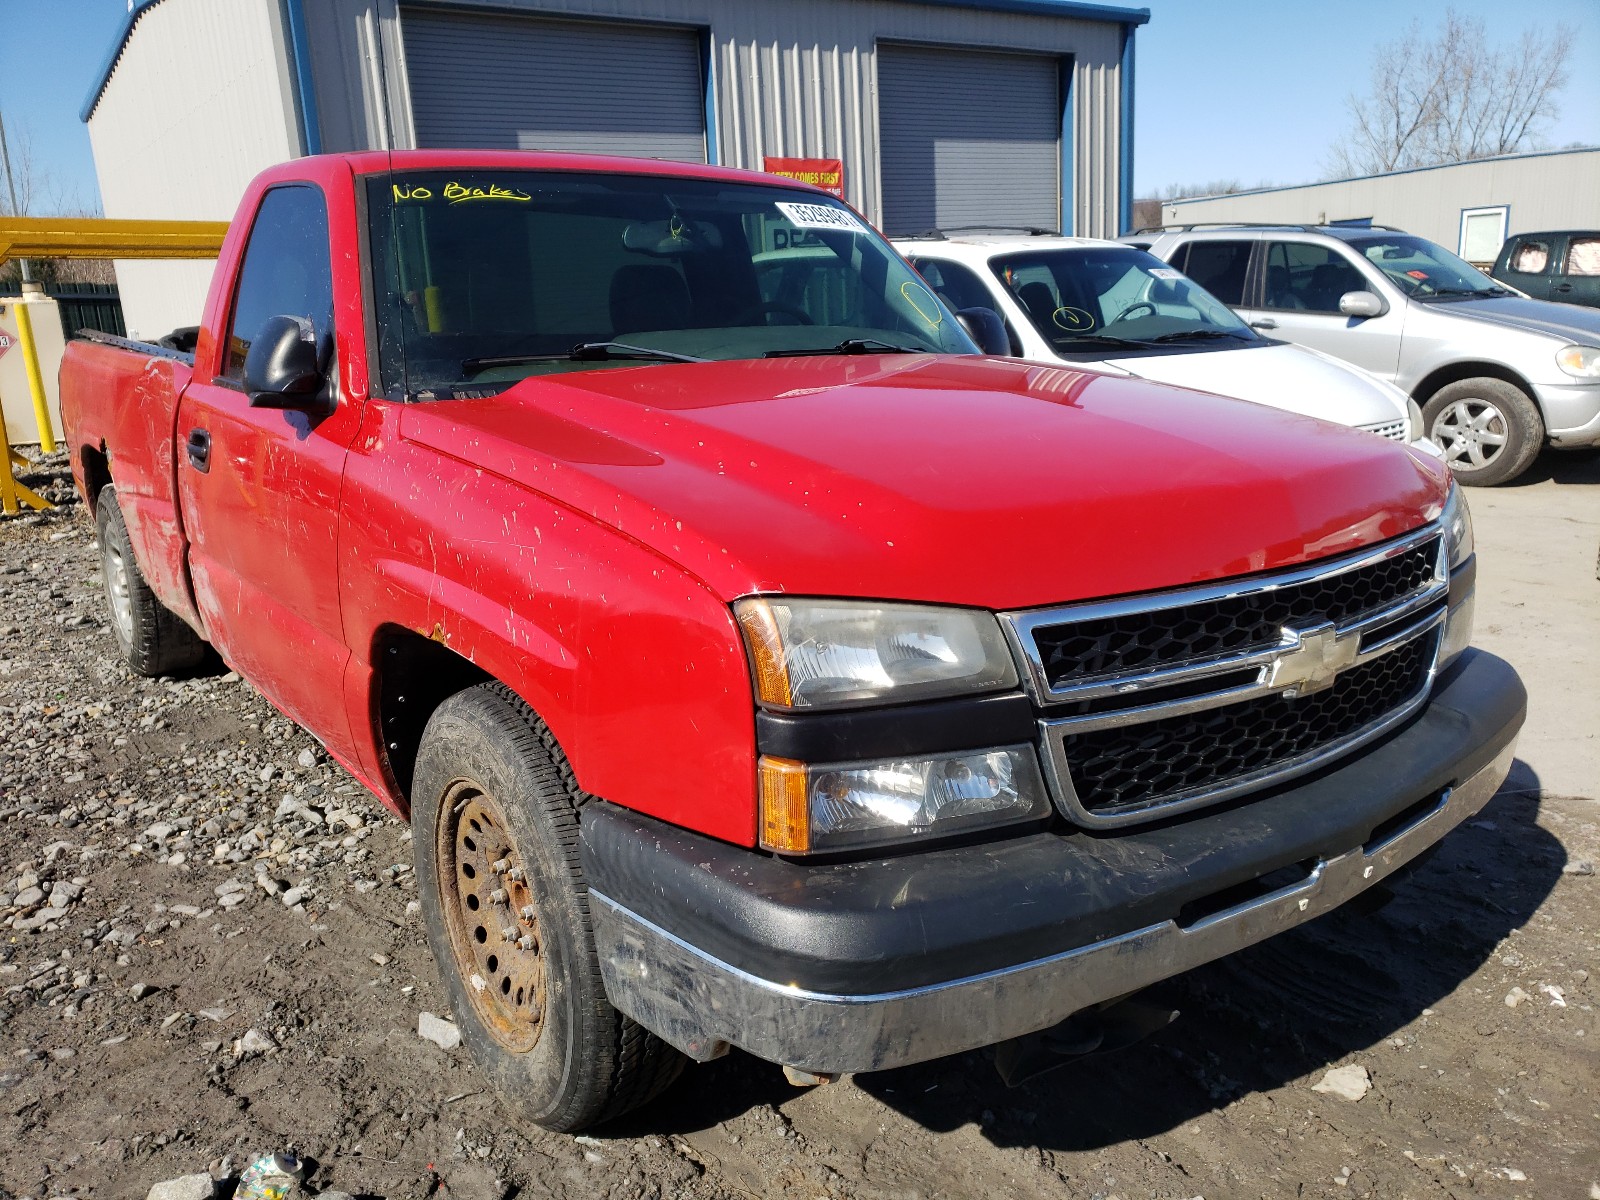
(911, 920)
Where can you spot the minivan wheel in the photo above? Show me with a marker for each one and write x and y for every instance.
(1490, 430)
(505, 901)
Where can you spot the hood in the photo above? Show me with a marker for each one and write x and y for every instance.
(1570, 322)
(1283, 376)
(950, 480)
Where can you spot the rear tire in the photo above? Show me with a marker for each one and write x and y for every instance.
(495, 821)
(152, 639)
(1490, 430)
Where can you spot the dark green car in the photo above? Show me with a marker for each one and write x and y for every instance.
(1563, 266)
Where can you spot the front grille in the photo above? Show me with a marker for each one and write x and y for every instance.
(1076, 651)
(1395, 431)
(1169, 759)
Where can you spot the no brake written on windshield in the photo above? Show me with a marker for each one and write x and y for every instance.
(458, 193)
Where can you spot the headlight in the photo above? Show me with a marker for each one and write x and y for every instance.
(1414, 420)
(845, 653)
(1582, 362)
(807, 809)
(1457, 522)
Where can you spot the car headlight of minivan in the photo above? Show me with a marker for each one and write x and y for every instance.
(1581, 362)
(1456, 521)
(810, 809)
(810, 654)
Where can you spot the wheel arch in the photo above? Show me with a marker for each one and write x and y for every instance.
(94, 466)
(1455, 372)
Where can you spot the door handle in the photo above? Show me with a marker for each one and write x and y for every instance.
(199, 448)
(1563, 287)
(1264, 323)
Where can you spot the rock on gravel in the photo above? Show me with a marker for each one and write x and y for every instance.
(188, 1187)
(443, 1034)
(1348, 1082)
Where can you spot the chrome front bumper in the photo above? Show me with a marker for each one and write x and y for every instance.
(702, 1004)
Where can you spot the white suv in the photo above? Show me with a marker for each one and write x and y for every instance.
(1114, 308)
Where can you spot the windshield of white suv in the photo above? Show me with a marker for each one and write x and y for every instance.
(484, 277)
(1091, 299)
(1420, 268)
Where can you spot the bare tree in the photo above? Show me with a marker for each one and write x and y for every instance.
(1453, 97)
(37, 193)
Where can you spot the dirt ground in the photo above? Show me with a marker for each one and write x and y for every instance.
(228, 962)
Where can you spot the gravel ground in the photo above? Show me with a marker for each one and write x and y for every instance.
(209, 948)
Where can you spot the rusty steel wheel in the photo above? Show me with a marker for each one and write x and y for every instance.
(494, 808)
(490, 913)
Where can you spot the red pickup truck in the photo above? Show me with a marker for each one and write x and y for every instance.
(759, 664)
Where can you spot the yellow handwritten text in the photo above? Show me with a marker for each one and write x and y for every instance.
(457, 193)
(412, 193)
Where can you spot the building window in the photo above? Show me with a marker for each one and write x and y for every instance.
(1482, 231)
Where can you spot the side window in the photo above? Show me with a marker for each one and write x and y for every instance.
(1583, 256)
(1530, 257)
(286, 270)
(960, 287)
(957, 286)
(1219, 267)
(1303, 276)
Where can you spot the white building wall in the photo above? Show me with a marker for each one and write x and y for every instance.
(791, 77)
(1559, 190)
(200, 100)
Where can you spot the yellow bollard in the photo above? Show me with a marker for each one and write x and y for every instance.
(30, 360)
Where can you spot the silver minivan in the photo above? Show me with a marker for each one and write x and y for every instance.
(1497, 374)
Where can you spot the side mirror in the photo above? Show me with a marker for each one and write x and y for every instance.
(1362, 304)
(283, 368)
(986, 328)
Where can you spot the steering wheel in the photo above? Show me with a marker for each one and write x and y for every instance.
(772, 306)
(1149, 311)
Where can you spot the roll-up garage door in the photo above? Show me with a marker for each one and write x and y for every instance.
(525, 83)
(968, 138)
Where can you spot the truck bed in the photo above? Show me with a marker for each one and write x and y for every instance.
(124, 394)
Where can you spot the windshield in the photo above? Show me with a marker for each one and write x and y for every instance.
(1419, 268)
(1086, 299)
(482, 278)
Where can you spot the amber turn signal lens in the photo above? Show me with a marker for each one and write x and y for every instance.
(785, 821)
(766, 652)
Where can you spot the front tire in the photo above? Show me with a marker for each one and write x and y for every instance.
(152, 639)
(495, 824)
(1490, 430)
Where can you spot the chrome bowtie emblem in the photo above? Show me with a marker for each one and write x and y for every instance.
(1316, 656)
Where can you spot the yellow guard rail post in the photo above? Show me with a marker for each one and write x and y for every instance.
(83, 237)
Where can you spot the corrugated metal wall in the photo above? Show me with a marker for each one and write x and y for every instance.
(796, 77)
(1543, 191)
(198, 103)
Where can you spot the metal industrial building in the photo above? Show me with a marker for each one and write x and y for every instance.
(1470, 207)
(941, 112)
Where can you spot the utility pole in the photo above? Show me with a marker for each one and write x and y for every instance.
(11, 186)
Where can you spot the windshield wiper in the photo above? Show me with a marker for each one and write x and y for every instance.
(1197, 335)
(1099, 339)
(1456, 293)
(850, 346)
(582, 352)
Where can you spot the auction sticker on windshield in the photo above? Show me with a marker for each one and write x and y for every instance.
(820, 216)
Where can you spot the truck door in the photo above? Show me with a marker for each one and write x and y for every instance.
(1528, 263)
(1579, 281)
(1300, 289)
(260, 486)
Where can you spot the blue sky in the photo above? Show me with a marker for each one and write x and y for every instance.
(1252, 90)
